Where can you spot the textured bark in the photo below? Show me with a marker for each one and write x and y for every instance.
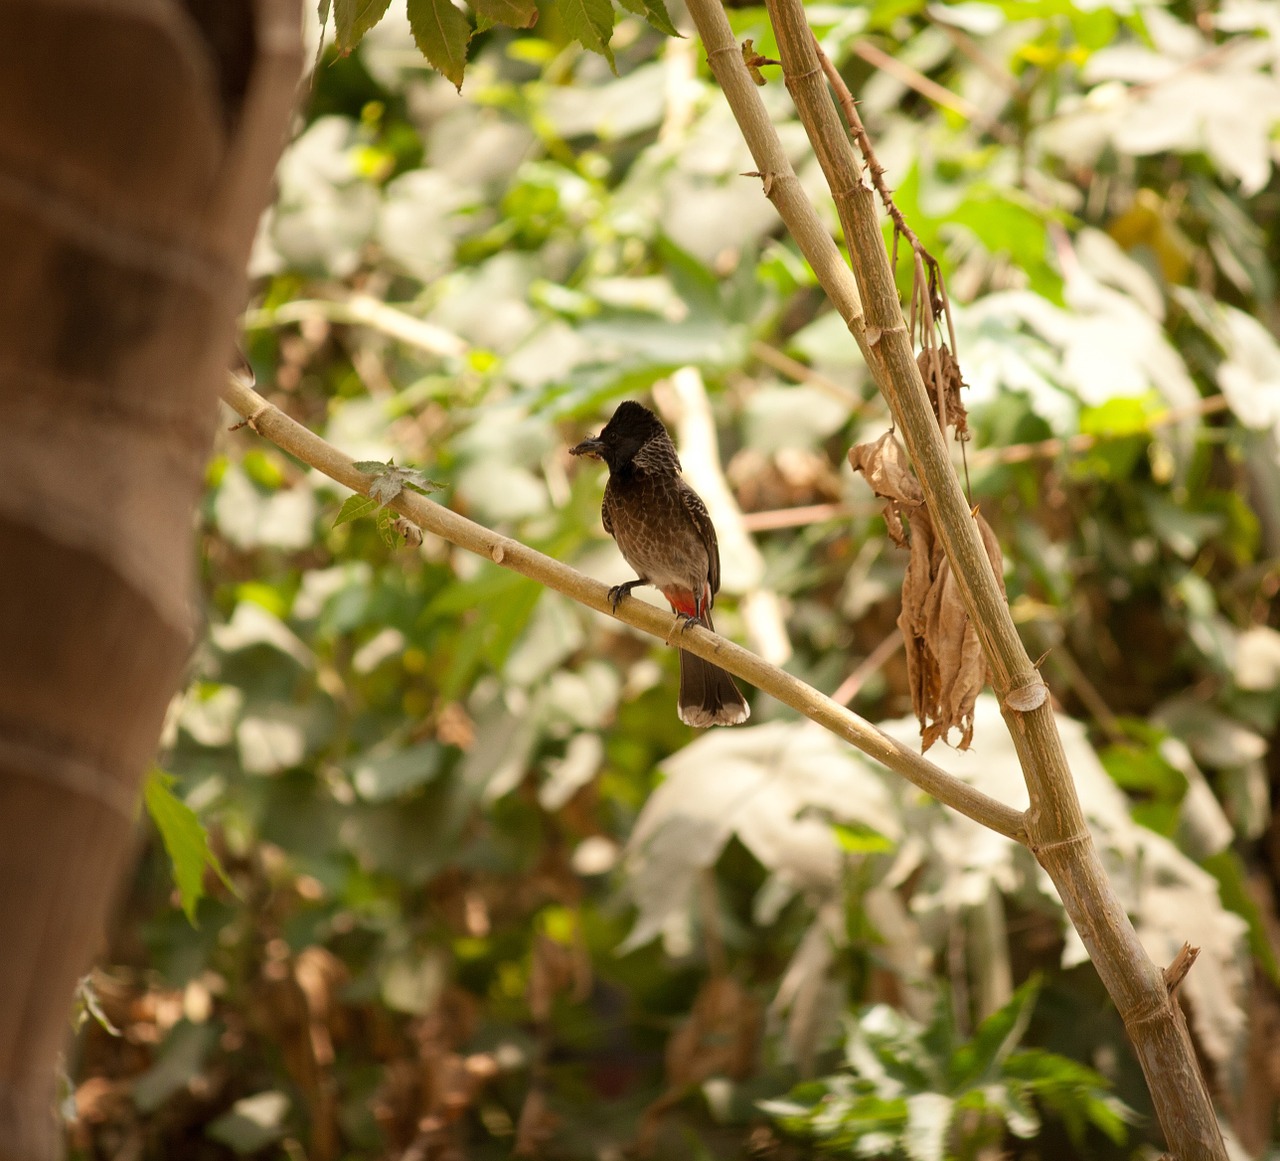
(137, 142)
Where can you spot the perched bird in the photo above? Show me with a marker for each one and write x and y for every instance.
(664, 532)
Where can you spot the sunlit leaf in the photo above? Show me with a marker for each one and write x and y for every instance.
(442, 33)
(185, 840)
(590, 22)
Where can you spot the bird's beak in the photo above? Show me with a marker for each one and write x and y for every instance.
(588, 447)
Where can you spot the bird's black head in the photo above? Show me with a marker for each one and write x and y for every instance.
(632, 427)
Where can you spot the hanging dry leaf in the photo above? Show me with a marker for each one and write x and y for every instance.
(945, 663)
(943, 381)
(884, 464)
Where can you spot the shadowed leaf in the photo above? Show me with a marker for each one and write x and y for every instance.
(185, 840)
(353, 18)
(512, 13)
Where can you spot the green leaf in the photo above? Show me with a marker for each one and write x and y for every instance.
(512, 13)
(441, 32)
(184, 838)
(655, 12)
(353, 18)
(590, 23)
(860, 839)
(980, 1061)
(354, 507)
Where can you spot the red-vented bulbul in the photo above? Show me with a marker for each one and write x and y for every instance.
(663, 529)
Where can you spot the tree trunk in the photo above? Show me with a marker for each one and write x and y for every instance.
(137, 143)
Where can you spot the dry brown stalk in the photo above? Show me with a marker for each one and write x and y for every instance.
(1059, 836)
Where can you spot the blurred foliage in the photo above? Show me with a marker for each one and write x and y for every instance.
(918, 1093)
(490, 896)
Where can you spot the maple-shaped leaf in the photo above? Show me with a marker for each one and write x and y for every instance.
(388, 482)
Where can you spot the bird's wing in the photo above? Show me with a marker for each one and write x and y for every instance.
(706, 530)
(604, 513)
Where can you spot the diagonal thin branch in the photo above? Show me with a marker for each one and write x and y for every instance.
(271, 423)
(363, 310)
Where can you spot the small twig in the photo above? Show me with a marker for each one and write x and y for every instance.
(930, 90)
(363, 310)
(929, 297)
(784, 364)
(774, 518)
(308, 447)
(968, 47)
(854, 120)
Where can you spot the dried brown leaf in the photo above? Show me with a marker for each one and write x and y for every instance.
(884, 466)
(943, 382)
(945, 664)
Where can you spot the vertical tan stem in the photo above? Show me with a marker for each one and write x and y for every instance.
(1055, 821)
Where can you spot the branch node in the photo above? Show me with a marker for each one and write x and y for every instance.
(1028, 697)
(1079, 839)
(796, 78)
(252, 420)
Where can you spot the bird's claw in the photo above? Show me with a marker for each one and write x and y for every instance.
(616, 595)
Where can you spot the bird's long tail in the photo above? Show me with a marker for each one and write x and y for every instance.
(708, 695)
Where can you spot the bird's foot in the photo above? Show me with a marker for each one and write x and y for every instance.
(618, 592)
(685, 620)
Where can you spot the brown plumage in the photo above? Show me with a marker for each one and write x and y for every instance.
(664, 532)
